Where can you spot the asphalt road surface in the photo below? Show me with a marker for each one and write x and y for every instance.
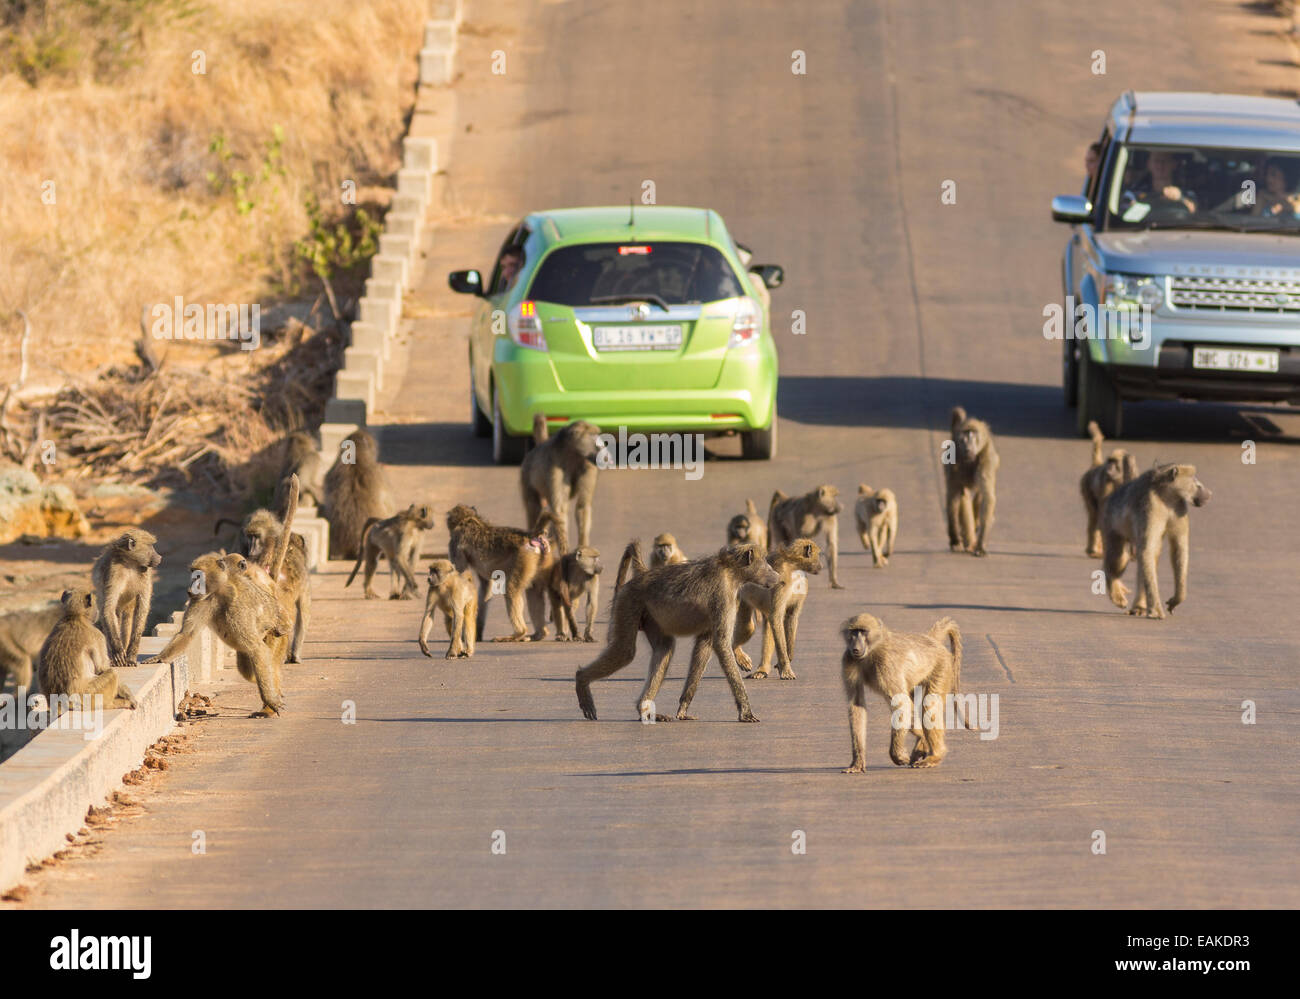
(1106, 724)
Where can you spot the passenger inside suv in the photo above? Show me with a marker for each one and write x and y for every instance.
(1276, 196)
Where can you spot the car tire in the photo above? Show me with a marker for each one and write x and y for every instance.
(481, 425)
(506, 450)
(1098, 399)
(759, 445)
(1070, 373)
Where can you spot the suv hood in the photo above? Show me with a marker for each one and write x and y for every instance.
(1225, 254)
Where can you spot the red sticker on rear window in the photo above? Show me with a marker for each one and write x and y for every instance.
(623, 251)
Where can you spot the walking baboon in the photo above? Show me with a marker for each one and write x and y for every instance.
(22, 633)
(356, 489)
(259, 536)
(559, 470)
(454, 594)
(74, 658)
(576, 575)
(803, 517)
(1101, 479)
(780, 607)
(892, 664)
(970, 473)
(1141, 514)
(877, 514)
(303, 460)
(398, 540)
(687, 599)
(747, 528)
(666, 552)
(123, 578)
(522, 559)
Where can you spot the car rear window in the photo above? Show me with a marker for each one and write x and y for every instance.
(676, 273)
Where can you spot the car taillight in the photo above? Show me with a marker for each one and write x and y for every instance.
(744, 328)
(526, 326)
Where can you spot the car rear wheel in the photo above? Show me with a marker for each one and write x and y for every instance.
(481, 424)
(1098, 399)
(759, 445)
(506, 450)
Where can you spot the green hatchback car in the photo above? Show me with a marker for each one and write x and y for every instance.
(642, 317)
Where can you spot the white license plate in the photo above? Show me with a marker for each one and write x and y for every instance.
(637, 337)
(1223, 359)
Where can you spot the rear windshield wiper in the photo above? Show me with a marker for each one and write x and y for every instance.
(614, 299)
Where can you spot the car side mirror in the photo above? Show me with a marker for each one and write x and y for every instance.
(771, 275)
(466, 282)
(1072, 208)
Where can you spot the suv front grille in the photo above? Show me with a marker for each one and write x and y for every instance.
(1215, 294)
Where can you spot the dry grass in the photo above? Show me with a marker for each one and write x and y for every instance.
(145, 208)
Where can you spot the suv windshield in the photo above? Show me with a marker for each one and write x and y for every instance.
(606, 273)
(1181, 187)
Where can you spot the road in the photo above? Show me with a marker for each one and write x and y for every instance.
(1106, 723)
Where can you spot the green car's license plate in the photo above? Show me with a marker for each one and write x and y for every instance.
(637, 337)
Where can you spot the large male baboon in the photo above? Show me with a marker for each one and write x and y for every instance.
(1102, 478)
(970, 473)
(356, 489)
(685, 600)
(559, 470)
(789, 519)
(123, 578)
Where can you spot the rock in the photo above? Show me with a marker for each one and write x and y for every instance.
(29, 508)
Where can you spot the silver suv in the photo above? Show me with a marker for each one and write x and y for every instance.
(1182, 275)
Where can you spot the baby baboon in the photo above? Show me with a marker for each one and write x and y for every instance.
(747, 528)
(454, 594)
(1100, 480)
(523, 559)
(74, 658)
(666, 552)
(802, 517)
(971, 478)
(123, 578)
(1141, 514)
(303, 460)
(780, 606)
(22, 633)
(688, 599)
(576, 575)
(892, 664)
(559, 470)
(398, 540)
(356, 489)
(877, 515)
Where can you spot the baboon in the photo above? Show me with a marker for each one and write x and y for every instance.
(892, 664)
(236, 563)
(123, 578)
(576, 575)
(747, 528)
(802, 517)
(398, 540)
(780, 608)
(687, 599)
(666, 552)
(253, 620)
(22, 633)
(559, 470)
(1101, 479)
(74, 658)
(524, 561)
(1141, 514)
(303, 460)
(971, 478)
(356, 489)
(259, 535)
(877, 514)
(454, 594)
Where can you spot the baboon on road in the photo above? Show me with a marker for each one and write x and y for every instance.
(303, 460)
(524, 561)
(666, 552)
(356, 489)
(74, 658)
(1141, 514)
(22, 633)
(971, 475)
(454, 594)
(780, 607)
(747, 528)
(123, 578)
(398, 540)
(1102, 478)
(803, 517)
(687, 600)
(575, 576)
(892, 664)
(877, 514)
(259, 536)
(560, 470)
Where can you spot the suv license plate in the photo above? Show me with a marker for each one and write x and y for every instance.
(1222, 359)
(637, 337)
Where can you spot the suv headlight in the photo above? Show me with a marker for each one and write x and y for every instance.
(1129, 290)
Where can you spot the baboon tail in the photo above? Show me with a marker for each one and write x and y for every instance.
(1098, 440)
(750, 508)
(216, 528)
(361, 548)
(540, 433)
(282, 546)
(545, 522)
(631, 560)
(777, 497)
(958, 417)
(946, 629)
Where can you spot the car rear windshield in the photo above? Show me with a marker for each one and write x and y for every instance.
(601, 273)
